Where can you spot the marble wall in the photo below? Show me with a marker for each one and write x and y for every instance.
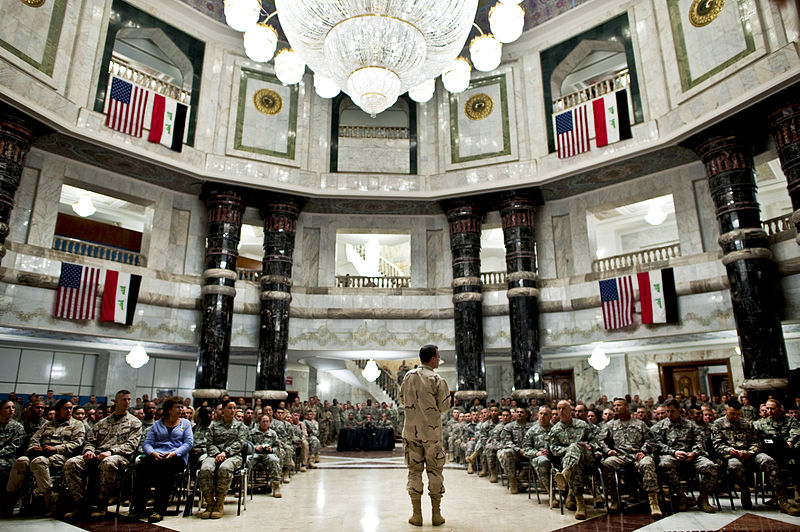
(388, 156)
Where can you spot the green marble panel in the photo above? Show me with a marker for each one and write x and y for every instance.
(48, 60)
(455, 109)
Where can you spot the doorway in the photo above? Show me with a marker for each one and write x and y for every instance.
(559, 384)
(712, 377)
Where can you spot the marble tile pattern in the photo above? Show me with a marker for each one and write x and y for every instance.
(269, 133)
(25, 28)
(383, 156)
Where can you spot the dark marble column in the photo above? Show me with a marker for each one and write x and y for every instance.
(16, 138)
(518, 213)
(748, 261)
(225, 209)
(464, 218)
(280, 218)
(784, 123)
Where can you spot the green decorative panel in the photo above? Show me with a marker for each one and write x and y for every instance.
(266, 117)
(479, 127)
(32, 33)
(703, 51)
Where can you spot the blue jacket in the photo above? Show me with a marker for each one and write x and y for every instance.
(160, 439)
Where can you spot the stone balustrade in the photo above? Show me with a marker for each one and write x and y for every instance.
(98, 251)
(644, 256)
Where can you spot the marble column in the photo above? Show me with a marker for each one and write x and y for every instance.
(784, 123)
(16, 138)
(225, 208)
(464, 218)
(280, 219)
(748, 260)
(518, 213)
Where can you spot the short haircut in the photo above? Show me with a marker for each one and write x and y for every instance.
(427, 352)
(506, 410)
(672, 402)
(122, 392)
(169, 403)
(735, 404)
(60, 404)
(4, 401)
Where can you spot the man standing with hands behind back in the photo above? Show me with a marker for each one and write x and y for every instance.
(425, 396)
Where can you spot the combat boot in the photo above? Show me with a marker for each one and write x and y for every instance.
(655, 510)
(219, 507)
(102, 508)
(484, 469)
(493, 476)
(436, 514)
(286, 479)
(683, 502)
(702, 503)
(470, 467)
(786, 507)
(416, 508)
(276, 490)
(570, 504)
(562, 478)
(613, 497)
(747, 504)
(580, 507)
(512, 484)
(50, 500)
(210, 502)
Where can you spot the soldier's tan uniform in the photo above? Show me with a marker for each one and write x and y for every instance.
(425, 396)
(120, 437)
(67, 437)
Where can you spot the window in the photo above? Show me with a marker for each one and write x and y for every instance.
(373, 260)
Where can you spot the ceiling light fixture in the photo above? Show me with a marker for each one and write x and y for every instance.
(655, 215)
(84, 207)
(599, 360)
(371, 371)
(137, 357)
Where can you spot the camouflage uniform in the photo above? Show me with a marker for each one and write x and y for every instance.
(269, 460)
(312, 428)
(285, 449)
(325, 427)
(12, 438)
(683, 435)
(628, 438)
(201, 440)
(147, 424)
(227, 438)
(511, 440)
(456, 436)
(424, 395)
(67, 437)
(742, 437)
(120, 437)
(387, 424)
(470, 438)
(566, 443)
(786, 430)
(493, 445)
(749, 413)
(536, 439)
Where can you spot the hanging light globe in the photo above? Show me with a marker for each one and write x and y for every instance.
(260, 42)
(507, 22)
(374, 89)
(324, 87)
(456, 77)
(289, 67)
(371, 371)
(485, 52)
(137, 357)
(599, 360)
(84, 206)
(242, 15)
(512, 2)
(423, 92)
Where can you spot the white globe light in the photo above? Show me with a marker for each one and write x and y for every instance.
(456, 77)
(374, 89)
(507, 22)
(289, 67)
(138, 357)
(324, 87)
(423, 92)
(371, 371)
(599, 360)
(84, 206)
(242, 15)
(260, 42)
(485, 52)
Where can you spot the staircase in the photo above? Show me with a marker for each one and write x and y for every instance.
(384, 389)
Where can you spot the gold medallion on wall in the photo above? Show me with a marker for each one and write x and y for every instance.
(479, 106)
(703, 12)
(268, 102)
(33, 3)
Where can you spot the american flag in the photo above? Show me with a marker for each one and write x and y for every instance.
(77, 286)
(572, 131)
(126, 107)
(617, 298)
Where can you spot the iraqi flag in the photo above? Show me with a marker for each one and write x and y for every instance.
(612, 121)
(168, 122)
(658, 297)
(120, 294)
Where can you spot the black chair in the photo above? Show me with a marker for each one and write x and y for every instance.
(180, 482)
(239, 482)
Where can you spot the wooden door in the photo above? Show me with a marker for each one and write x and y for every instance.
(686, 381)
(718, 383)
(559, 384)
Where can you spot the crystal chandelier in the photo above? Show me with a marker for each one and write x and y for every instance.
(375, 50)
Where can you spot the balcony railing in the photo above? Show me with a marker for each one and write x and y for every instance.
(358, 281)
(779, 224)
(248, 275)
(618, 81)
(493, 278)
(645, 256)
(373, 132)
(98, 251)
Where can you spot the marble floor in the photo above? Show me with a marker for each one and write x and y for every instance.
(366, 493)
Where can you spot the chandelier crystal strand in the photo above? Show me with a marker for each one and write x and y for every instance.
(260, 42)
(506, 22)
(485, 52)
(242, 15)
(456, 77)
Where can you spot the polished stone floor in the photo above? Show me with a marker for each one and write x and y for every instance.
(366, 493)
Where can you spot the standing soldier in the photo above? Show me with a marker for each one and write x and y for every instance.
(425, 397)
(572, 440)
(626, 442)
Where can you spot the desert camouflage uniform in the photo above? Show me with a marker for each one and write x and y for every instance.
(683, 435)
(628, 438)
(566, 443)
(425, 396)
(222, 438)
(12, 438)
(511, 440)
(269, 460)
(742, 436)
(535, 440)
(67, 437)
(120, 437)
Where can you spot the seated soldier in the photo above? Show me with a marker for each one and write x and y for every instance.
(625, 442)
(572, 441)
(737, 443)
(510, 451)
(224, 448)
(166, 448)
(267, 456)
(479, 440)
(285, 449)
(493, 443)
(12, 440)
(385, 422)
(110, 447)
(34, 418)
(49, 448)
(534, 446)
(779, 436)
(470, 439)
(312, 430)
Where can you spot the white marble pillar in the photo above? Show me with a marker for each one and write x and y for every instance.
(48, 194)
